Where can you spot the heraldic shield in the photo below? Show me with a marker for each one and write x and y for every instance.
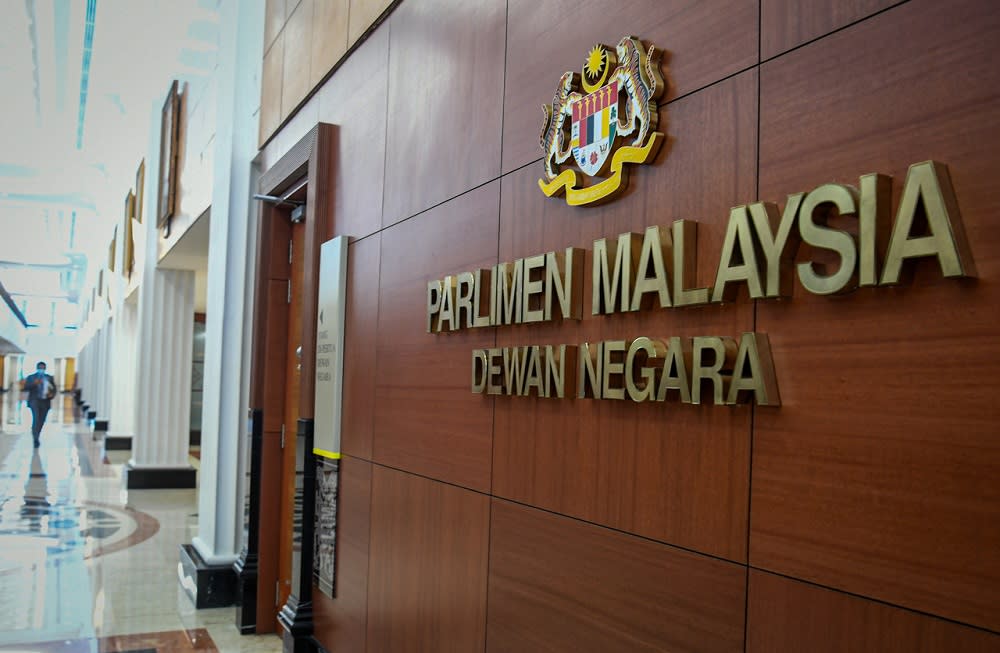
(612, 113)
(595, 121)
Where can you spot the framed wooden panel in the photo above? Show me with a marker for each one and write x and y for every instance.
(169, 135)
(877, 475)
(786, 24)
(444, 107)
(557, 584)
(436, 426)
(675, 473)
(428, 565)
(789, 615)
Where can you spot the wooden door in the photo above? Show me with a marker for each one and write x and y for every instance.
(290, 479)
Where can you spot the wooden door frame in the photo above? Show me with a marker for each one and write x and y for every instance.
(310, 160)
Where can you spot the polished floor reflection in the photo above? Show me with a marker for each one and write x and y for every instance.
(86, 565)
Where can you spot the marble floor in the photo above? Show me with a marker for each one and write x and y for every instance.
(86, 565)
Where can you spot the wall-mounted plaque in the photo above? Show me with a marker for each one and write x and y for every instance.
(330, 346)
(169, 128)
(140, 190)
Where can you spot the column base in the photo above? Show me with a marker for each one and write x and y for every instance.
(160, 478)
(118, 443)
(297, 627)
(208, 586)
(100, 425)
(246, 592)
(91, 414)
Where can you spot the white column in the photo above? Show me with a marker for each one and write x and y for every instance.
(166, 327)
(124, 379)
(105, 368)
(223, 427)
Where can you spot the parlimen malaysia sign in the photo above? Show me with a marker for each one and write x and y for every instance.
(651, 271)
(612, 110)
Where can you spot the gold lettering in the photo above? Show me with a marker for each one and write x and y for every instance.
(739, 259)
(480, 301)
(651, 262)
(514, 366)
(479, 365)
(614, 366)
(644, 387)
(777, 242)
(928, 186)
(589, 375)
(816, 210)
(567, 287)
(447, 313)
(873, 225)
(433, 305)
(533, 377)
(466, 284)
(555, 370)
(722, 354)
(494, 377)
(755, 353)
(611, 286)
(675, 365)
(685, 251)
(533, 266)
(510, 287)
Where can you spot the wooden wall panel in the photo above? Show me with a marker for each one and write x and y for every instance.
(341, 622)
(274, 20)
(547, 38)
(354, 101)
(676, 473)
(878, 473)
(785, 24)
(789, 615)
(329, 37)
(298, 51)
(270, 88)
(428, 566)
(363, 14)
(557, 584)
(445, 105)
(357, 422)
(427, 420)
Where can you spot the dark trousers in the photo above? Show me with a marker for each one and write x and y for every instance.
(39, 411)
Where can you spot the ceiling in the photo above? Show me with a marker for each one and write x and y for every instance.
(83, 81)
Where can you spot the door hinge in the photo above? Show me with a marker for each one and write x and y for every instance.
(289, 291)
(282, 436)
(290, 251)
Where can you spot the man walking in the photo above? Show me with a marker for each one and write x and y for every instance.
(41, 388)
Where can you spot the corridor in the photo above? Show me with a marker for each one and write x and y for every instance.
(86, 565)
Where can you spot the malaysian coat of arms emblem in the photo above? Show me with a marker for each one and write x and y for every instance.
(604, 118)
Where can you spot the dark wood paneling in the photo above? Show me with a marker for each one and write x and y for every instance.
(427, 419)
(429, 549)
(560, 585)
(354, 100)
(785, 24)
(788, 615)
(546, 39)
(341, 622)
(445, 103)
(878, 474)
(676, 473)
(360, 329)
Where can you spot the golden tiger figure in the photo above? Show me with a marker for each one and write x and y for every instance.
(554, 139)
(639, 74)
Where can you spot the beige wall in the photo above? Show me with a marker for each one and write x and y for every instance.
(303, 41)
